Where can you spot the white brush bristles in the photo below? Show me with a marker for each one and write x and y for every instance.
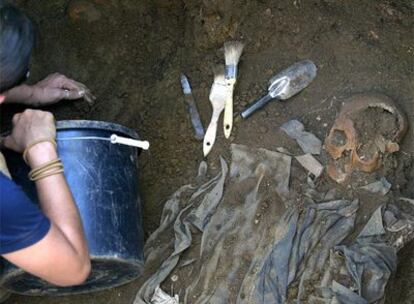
(232, 52)
(219, 89)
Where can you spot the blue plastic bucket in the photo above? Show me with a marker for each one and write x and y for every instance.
(103, 178)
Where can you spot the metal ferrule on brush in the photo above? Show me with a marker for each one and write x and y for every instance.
(231, 72)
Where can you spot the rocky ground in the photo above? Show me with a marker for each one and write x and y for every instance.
(131, 53)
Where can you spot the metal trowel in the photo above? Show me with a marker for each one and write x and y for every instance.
(285, 84)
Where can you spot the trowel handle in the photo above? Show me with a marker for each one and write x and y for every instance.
(256, 106)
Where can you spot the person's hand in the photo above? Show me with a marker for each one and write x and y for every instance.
(56, 87)
(28, 127)
(52, 89)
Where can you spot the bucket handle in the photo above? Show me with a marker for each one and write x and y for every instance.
(142, 144)
(114, 139)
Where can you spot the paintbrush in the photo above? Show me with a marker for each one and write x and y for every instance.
(232, 53)
(218, 97)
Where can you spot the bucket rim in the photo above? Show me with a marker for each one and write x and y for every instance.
(12, 276)
(62, 125)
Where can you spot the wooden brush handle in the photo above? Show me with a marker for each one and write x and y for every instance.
(210, 136)
(228, 113)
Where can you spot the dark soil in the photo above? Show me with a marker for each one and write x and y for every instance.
(131, 53)
(374, 123)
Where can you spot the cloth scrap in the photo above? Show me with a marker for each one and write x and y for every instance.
(199, 208)
(381, 187)
(306, 140)
(372, 258)
(370, 264)
(375, 225)
(301, 247)
(217, 218)
(344, 295)
(311, 164)
(244, 240)
(161, 297)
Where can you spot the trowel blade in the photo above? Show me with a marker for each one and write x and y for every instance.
(292, 80)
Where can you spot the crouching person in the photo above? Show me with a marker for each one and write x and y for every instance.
(48, 240)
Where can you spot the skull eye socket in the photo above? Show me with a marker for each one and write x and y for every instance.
(339, 138)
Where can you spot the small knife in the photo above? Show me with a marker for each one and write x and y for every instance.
(192, 108)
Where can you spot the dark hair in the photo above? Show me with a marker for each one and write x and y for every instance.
(16, 44)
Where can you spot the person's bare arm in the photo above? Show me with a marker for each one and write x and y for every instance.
(61, 257)
(19, 94)
(50, 90)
